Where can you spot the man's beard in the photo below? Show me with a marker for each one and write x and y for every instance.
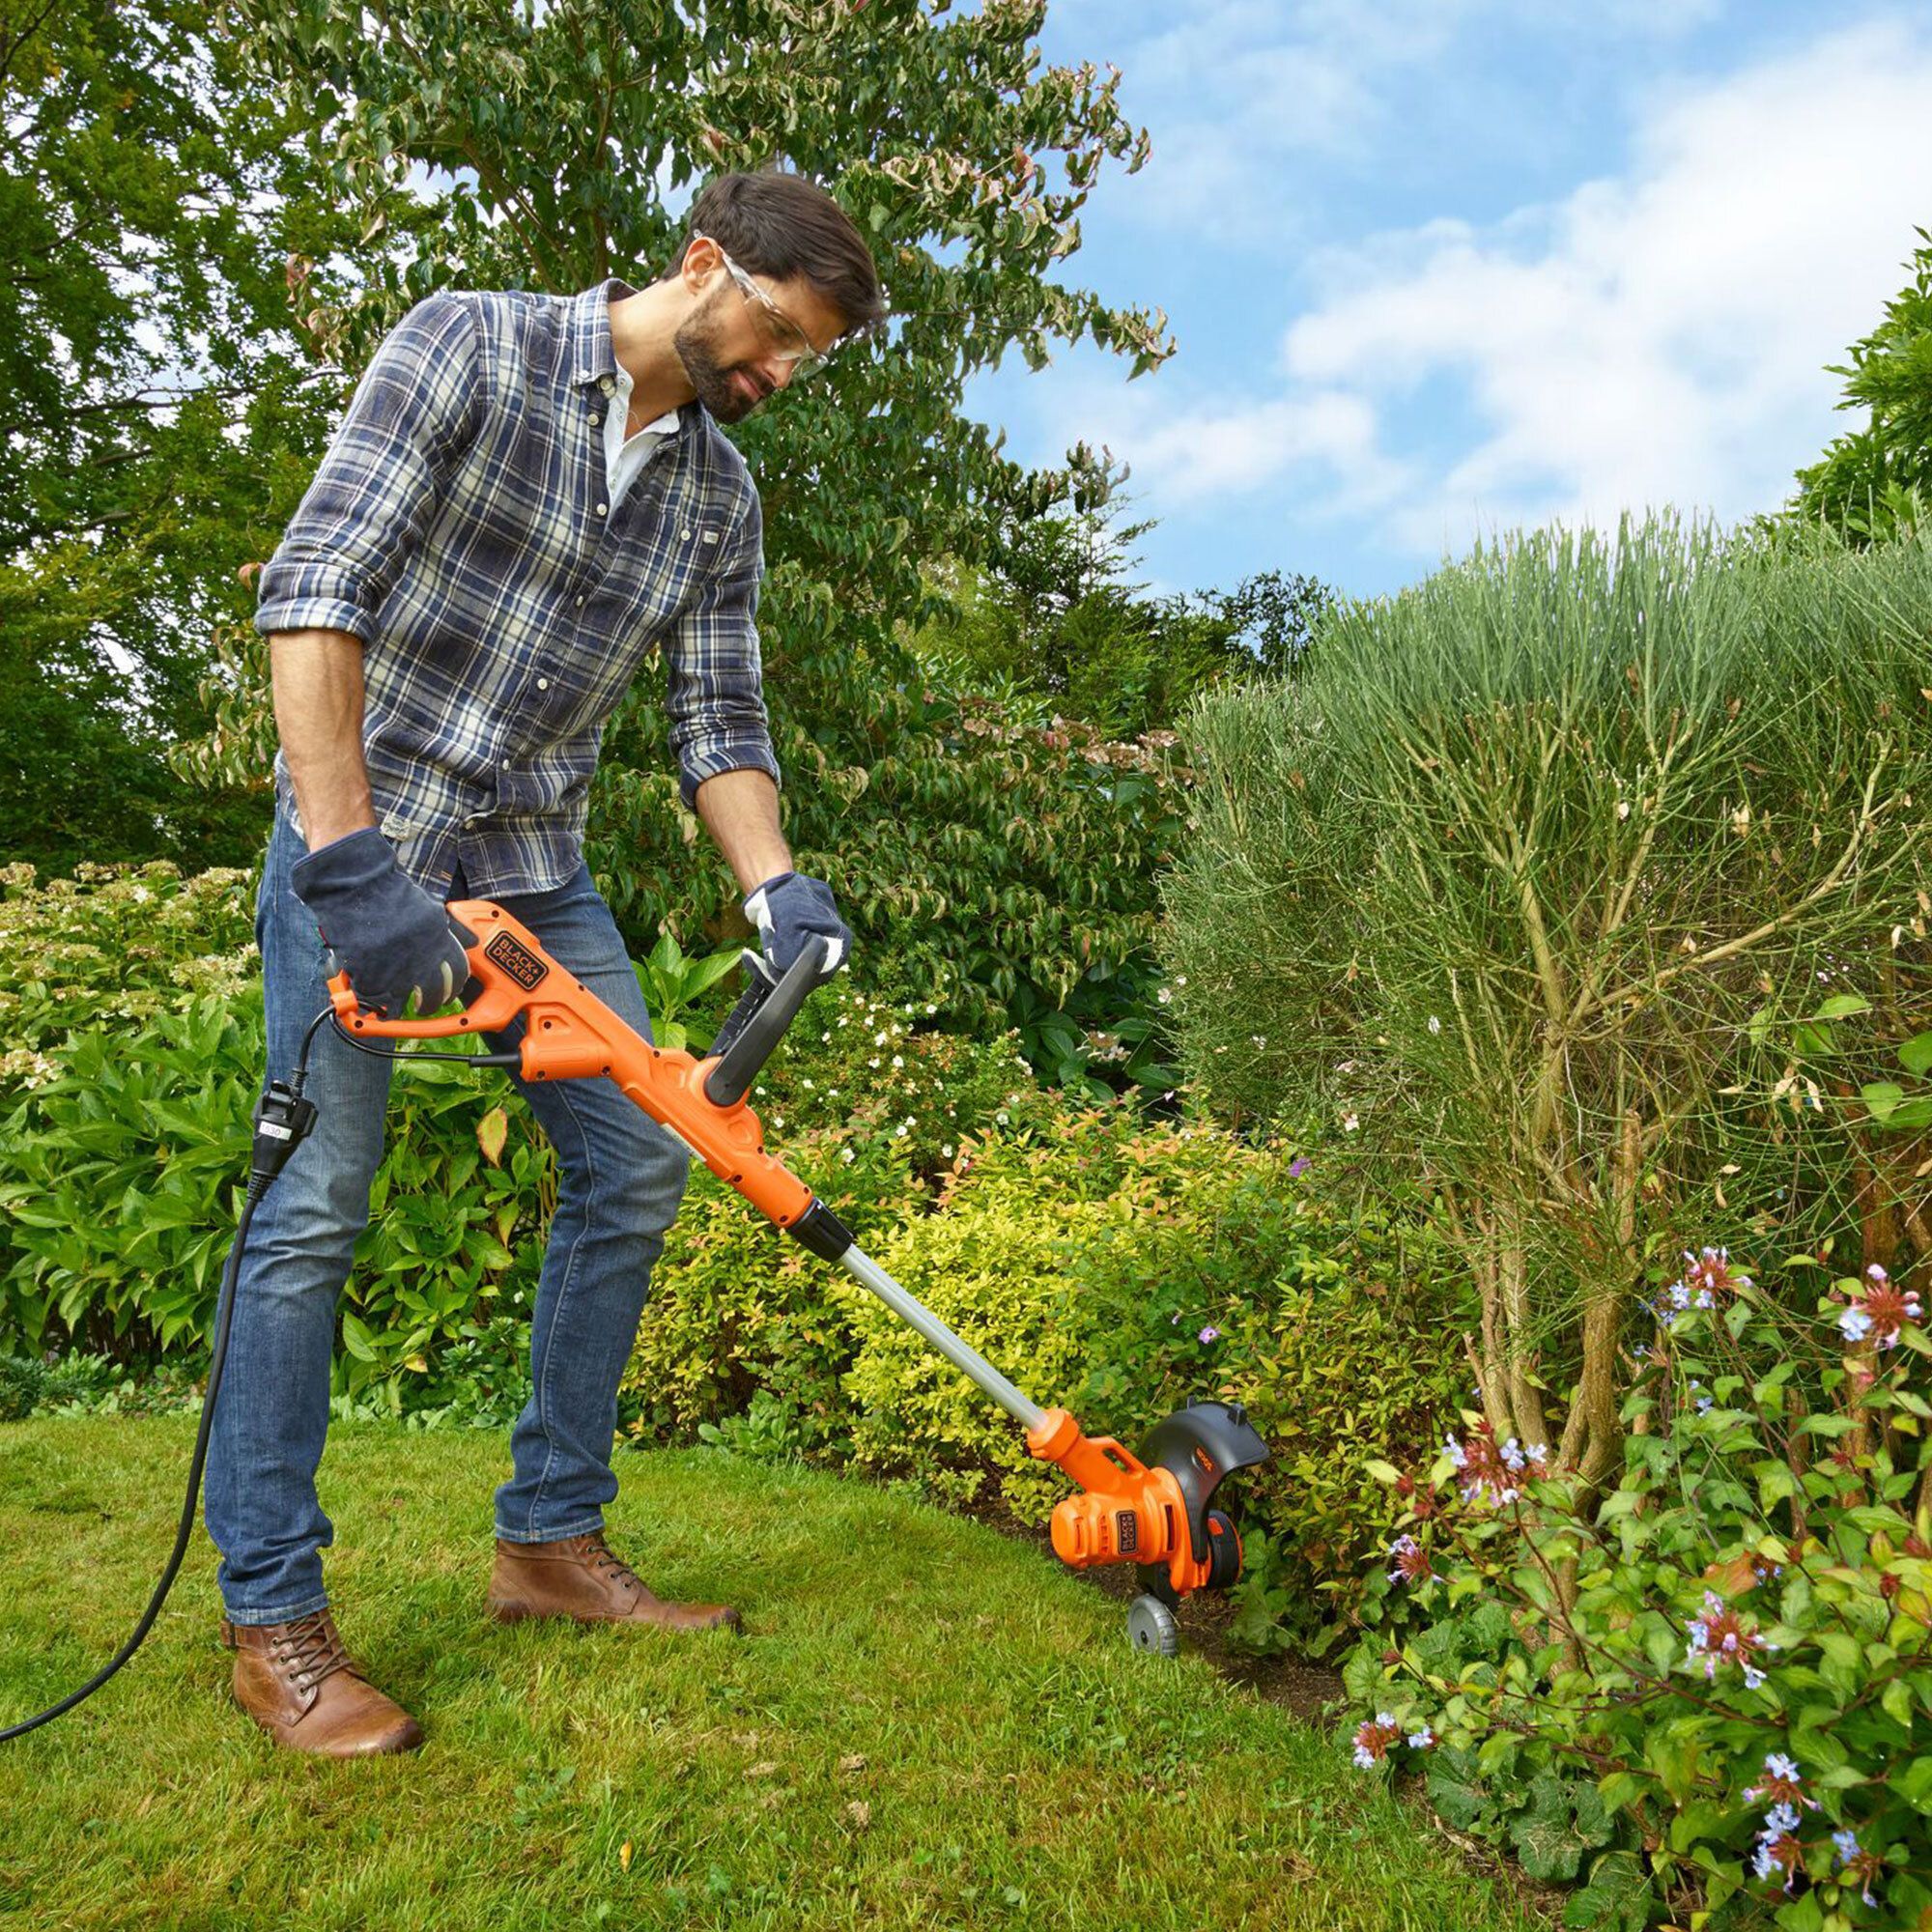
(712, 381)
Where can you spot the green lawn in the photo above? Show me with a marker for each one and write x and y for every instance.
(927, 1724)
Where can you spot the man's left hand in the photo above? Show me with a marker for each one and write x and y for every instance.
(790, 911)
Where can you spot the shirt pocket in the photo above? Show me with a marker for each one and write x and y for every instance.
(654, 581)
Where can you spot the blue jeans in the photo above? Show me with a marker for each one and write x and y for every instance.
(620, 1180)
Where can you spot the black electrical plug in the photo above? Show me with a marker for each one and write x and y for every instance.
(282, 1121)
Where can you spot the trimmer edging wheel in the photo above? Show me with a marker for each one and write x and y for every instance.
(1151, 1627)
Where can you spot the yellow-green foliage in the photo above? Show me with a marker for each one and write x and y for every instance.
(737, 1307)
(995, 1265)
(1001, 1262)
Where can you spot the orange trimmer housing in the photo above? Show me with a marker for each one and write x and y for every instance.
(1127, 1512)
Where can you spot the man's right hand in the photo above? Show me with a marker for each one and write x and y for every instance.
(392, 939)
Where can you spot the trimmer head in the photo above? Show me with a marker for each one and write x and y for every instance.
(1201, 1444)
(1155, 1511)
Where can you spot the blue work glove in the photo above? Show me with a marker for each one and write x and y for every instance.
(386, 933)
(789, 910)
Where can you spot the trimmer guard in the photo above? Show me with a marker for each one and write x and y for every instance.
(1201, 1444)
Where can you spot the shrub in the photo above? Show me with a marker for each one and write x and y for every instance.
(1505, 886)
(1725, 1662)
(124, 1172)
(738, 1310)
(114, 943)
(1336, 1333)
(874, 1071)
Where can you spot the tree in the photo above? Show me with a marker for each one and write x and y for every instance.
(148, 381)
(1276, 615)
(1871, 480)
(1053, 620)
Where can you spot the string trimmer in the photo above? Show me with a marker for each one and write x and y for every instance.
(1156, 1511)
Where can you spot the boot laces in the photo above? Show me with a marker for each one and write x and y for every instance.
(312, 1648)
(604, 1559)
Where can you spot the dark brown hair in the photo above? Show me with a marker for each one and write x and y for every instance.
(779, 224)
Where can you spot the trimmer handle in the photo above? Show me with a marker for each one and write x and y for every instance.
(756, 1024)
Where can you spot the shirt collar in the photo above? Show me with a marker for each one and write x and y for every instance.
(590, 354)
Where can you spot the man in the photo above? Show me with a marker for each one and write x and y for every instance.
(526, 496)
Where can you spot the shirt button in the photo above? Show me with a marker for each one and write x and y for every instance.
(579, 601)
(602, 508)
(684, 536)
(543, 684)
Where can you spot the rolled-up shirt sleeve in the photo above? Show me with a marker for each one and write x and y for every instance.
(413, 413)
(715, 689)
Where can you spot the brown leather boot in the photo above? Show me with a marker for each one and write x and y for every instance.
(307, 1691)
(582, 1578)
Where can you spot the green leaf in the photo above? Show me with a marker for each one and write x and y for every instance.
(1616, 1899)
(357, 1339)
(1882, 1098)
(1841, 1006)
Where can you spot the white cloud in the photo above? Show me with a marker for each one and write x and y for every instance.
(1656, 336)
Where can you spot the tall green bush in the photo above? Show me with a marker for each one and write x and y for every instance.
(1576, 889)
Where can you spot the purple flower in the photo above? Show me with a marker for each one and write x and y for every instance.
(1297, 1167)
(1211, 1333)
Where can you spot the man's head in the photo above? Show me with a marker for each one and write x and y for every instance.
(777, 275)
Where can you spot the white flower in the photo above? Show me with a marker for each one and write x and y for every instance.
(898, 1060)
(1350, 1122)
(1164, 996)
(1435, 1024)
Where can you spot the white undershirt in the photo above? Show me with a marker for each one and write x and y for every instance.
(625, 456)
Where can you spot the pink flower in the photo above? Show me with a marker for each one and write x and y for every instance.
(1721, 1636)
(1411, 1561)
(1491, 1471)
(1880, 1310)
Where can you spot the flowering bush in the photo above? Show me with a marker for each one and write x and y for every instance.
(114, 943)
(1716, 1676)
(875, 1069)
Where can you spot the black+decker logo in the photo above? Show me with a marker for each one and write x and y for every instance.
(516, 959)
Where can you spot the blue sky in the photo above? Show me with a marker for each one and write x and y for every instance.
(1442, 266)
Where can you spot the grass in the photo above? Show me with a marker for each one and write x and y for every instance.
(927, 1724)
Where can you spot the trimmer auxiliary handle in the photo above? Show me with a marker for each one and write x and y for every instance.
(1153, 1513)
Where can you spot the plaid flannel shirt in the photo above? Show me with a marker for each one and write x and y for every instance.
(460, 526)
